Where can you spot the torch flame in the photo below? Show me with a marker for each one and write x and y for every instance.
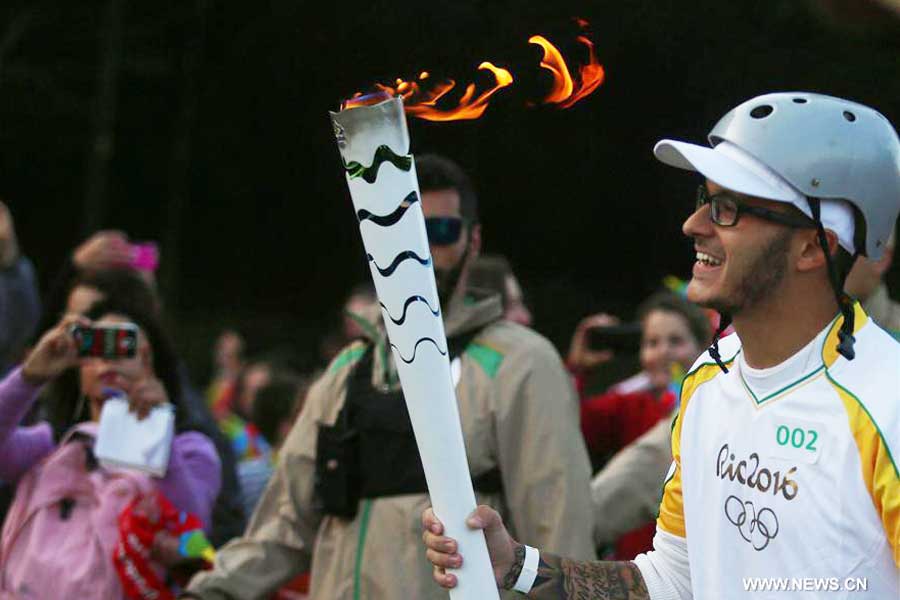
(553, 62)
(564, 92)
(421, 97)
(592, 75)
(422, 103)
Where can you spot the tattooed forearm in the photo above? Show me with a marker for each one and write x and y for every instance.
(564, 579)
(509, 580)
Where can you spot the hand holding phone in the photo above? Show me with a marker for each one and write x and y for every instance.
(582, 356)
(54, 353)
(625, 337)
(144, 256)
(112, 341)
(103, 250)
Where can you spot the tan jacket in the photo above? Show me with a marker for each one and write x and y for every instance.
(884, 310)
(518, 411)
(627, 491)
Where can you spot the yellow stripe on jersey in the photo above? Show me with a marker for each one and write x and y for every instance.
(829, 349)
(671, 509)
(879, 470)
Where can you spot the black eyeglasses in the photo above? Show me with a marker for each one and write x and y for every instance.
(725, 209)
(443, 231)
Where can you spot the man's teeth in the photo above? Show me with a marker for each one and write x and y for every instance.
(706, 259)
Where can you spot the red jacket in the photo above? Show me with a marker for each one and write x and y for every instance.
(609, 422)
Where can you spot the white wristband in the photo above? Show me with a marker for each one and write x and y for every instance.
(529, 570)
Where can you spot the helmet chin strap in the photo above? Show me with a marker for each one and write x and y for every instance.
(845, 335)
(724, 322)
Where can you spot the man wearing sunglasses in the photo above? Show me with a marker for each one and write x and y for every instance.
(785, 478)
(519, 418)
(450, 207)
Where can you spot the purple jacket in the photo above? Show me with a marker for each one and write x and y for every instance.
(192, 480)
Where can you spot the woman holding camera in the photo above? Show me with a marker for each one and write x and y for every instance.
(59, 480)
(673, 334)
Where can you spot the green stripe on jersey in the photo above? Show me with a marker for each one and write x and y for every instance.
(782, 390)
(347, 357)
(360, 546)
(488, 358)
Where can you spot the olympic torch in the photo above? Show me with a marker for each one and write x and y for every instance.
(374, 145)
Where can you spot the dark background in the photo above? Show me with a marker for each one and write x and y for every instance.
(214, 137)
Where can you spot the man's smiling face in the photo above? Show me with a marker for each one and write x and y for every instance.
(737, 266)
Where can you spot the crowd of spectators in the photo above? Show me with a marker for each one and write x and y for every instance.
(244, 461)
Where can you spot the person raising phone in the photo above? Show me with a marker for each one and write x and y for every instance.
(673, 333)
(62, 488)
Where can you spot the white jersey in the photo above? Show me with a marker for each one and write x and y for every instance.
(785, 481)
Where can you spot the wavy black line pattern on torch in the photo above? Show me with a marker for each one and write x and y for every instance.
(382, 154)
(391, 219)
(416, 349)
(410, 300)
(407, 255)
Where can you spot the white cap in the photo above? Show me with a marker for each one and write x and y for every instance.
(733, 168)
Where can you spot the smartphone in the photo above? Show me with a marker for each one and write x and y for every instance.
(106, 341)
(621, 338)
(144, 256)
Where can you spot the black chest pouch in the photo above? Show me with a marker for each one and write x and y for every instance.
(371, 451)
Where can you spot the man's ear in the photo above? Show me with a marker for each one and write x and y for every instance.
(811, 256)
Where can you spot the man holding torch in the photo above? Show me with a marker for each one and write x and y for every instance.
(786, 447)
(359, 531)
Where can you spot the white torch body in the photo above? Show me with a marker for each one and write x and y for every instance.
(374, 146)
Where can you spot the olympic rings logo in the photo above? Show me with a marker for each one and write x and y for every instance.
(757, 528)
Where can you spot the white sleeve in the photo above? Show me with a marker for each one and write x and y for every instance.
(666, 570)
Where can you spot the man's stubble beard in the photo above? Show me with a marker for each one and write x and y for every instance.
(448, 280)
(763, 275)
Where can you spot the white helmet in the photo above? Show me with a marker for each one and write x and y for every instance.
(812, 151)
(824, 147)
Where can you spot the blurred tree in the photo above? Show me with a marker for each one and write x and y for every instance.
(14, 33)
(190, 67)
(220, 148)
(103, 140)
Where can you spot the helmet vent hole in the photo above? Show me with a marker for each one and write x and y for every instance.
(800, 101)
(762, 111)
(849, 116)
